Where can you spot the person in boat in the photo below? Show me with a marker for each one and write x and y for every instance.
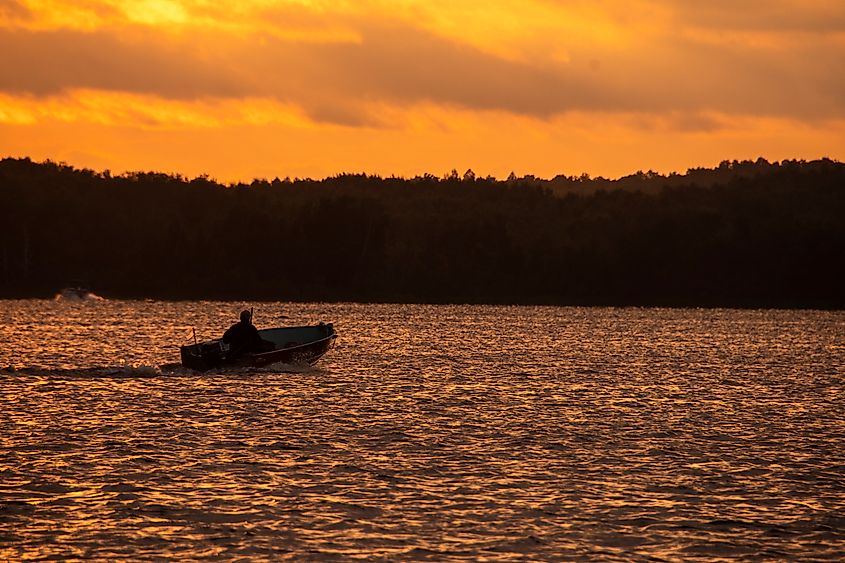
(242, 337)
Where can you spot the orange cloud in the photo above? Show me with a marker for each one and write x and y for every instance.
(404, 65)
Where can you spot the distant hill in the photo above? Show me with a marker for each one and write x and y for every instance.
(744, 234)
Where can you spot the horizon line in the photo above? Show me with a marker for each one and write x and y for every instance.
(452, 174)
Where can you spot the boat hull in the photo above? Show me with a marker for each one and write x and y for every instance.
(291, 345)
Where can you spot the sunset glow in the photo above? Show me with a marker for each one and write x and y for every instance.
(314, 88)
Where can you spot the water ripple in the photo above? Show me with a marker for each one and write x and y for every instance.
(428, 433)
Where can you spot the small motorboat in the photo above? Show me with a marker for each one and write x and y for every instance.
(290, 345)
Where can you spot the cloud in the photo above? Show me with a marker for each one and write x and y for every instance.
(14, 11)
(403, 65)
(47, 62)
(339, 67)
(807, 16)
(392, 64)
(810, 16)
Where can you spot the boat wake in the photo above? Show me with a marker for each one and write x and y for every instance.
(145, 371)
(108, 372)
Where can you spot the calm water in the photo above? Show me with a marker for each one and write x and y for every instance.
(428, 433)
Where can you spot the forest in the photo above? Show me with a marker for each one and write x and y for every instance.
(743, 234)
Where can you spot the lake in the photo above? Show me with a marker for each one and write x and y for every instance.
(428, 433)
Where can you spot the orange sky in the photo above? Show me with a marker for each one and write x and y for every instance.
(311, 88)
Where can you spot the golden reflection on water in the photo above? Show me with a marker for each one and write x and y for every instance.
(428, 433)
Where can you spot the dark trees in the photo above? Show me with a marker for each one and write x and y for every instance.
(743, 234)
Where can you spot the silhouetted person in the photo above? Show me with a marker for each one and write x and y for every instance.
(243, 337)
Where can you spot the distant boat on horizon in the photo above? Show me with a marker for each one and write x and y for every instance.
(77, 293)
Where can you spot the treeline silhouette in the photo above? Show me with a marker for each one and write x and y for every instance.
(747, 234)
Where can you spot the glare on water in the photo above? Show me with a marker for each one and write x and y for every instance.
(428, 433)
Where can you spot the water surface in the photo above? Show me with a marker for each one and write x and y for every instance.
(428, 433)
